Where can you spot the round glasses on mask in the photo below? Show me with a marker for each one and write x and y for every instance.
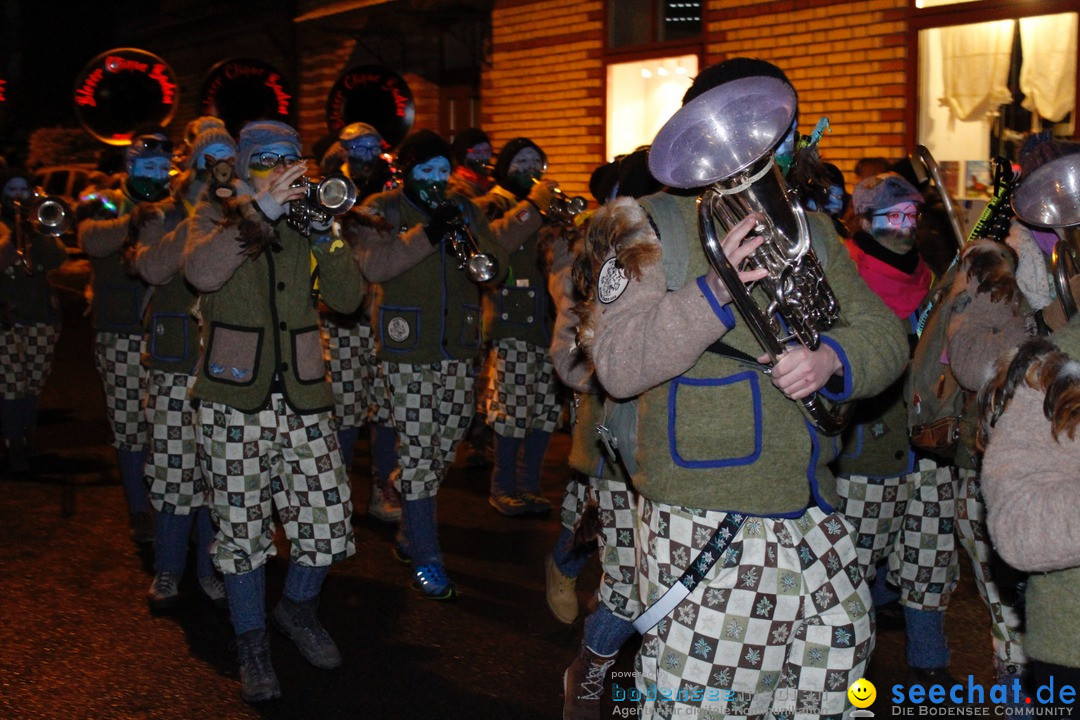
(270, 160)
(149, 142)
(896, 217)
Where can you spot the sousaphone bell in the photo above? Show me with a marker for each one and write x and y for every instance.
(724, 141)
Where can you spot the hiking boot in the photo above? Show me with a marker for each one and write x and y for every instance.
(164, 591)
(214, 588)
(583, 685)
(508, 505)
(400, 554)
(297, 622)
(431, 582)
(535, 504)
(257, 679)
(142, 527)
(562, 597)
(385, 503)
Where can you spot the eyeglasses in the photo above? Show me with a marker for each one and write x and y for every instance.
(149, 142)
(896, 218)
(269, 161)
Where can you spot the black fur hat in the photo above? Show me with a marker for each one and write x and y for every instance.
(421, 146)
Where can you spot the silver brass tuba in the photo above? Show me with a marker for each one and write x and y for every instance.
(724, 141)
(1050, 198)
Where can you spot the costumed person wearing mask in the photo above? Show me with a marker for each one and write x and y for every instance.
(426, 315)
(729, 468)
(359, 397)
(265, 414)
(471, 172)
(894, 497)
(178, 491)
(29, 316)
(119, 296)
(523, 403)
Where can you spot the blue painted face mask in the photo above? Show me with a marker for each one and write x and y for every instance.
(426, 183)
(148, 178)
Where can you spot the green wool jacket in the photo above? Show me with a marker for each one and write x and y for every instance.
(520, 308)
(424, 308)
(716, 434)
(172, 330)
(27, 298)
(119, 295)
(259, 317)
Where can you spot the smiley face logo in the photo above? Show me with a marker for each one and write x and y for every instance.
(862, 693)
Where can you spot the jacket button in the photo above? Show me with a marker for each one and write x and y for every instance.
(529, 319)
(899, 454)
(281, 286)
(284, 367)
(505, 316)
(282, 325)
(532, 293)
(505, 292)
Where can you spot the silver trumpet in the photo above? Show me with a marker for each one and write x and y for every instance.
(564, 209)
(479, 266)
(1049, 198)
(724, 141)
(43, 214)
(324, 200)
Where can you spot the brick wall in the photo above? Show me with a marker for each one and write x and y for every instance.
(846, 59)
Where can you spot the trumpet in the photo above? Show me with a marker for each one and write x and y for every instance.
(564, 209)
(43, 214)
(323, 201)
(480, 267)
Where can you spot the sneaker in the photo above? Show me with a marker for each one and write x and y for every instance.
(297, 622)
(535, 504)
(400, 554)
(583, 685)
(507, 505)
(562, 597)
(385, 503)
(164, 591)
(431, 582)
(258, 681)
(142, 527)
(214, 588)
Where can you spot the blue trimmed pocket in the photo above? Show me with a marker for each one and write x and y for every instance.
(169, 336)
(470, 326)
(692, 400)
(120, 304)
(399, 328)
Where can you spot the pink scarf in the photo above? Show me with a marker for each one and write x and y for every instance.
(900, 291)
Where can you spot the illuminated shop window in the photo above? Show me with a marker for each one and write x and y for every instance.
(936, 3)
(641, 22)
(641, 96)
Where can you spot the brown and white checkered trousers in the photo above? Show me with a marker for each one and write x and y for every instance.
(274, 458)
(172, 466)
(524, 392)
(117, 358)
(26, 356)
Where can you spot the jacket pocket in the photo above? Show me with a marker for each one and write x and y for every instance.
(399, 328)
(120, 304)
(519, 305)
(170, 339)
(308, 362)
(693, 400)
(233, 353)
(470, 326)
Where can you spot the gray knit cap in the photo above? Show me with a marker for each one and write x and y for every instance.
(882, 191)
(258, 134)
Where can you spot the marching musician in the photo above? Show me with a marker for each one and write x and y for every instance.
(426, 316)
(471, 173)
(177, 488)
(265, 415)
(29, 315)
(119, 296)
(523, 399)
(727, 461)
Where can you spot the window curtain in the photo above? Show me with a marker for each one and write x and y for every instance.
(1048, 74)
(975, 64)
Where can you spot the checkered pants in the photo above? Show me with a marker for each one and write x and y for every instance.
(1005, 622)
(432, 408)
(117, 358)
(376, 394)
(172, 467)
(523, 394)
(780, 625)
(343, 353)
(26, 356)
(907, 521)
(274, 458)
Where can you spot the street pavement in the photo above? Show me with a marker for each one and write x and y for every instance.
(77, 640)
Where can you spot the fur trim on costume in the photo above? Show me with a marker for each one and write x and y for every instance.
(255, 231)
(991, 267)
(1031, 275)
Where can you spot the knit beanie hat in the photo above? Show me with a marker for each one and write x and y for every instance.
(334, 158)
(208, 131)
(421, 146)
(258, 134)
(635, 180)
(734, 69)
(139, 150)
(882, 191)
(358, 129)
(507, 153)
(465, 140)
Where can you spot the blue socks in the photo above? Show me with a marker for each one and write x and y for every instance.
(569, 562)
(171, 534)
(131, 463)
(247, 600)
(204, 537)
(606, 632)
(383, 453)
(347, 440)
(418, 531)
(926, 646)
(303, 583)
(504, 475)
(536, 445)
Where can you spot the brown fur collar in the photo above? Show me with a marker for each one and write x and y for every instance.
(987, 266)
(621, 227)
(255, 231)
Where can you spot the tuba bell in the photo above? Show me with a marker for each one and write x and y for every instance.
(724, 141)
(42, 214)
(1049, 198)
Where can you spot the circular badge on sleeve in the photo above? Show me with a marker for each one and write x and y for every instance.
(611, 283)
(398, 329)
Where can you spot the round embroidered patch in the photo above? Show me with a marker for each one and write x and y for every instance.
(611, 283)
(398, 329)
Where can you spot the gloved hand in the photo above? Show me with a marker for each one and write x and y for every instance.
(542, 194)
(443, 218)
